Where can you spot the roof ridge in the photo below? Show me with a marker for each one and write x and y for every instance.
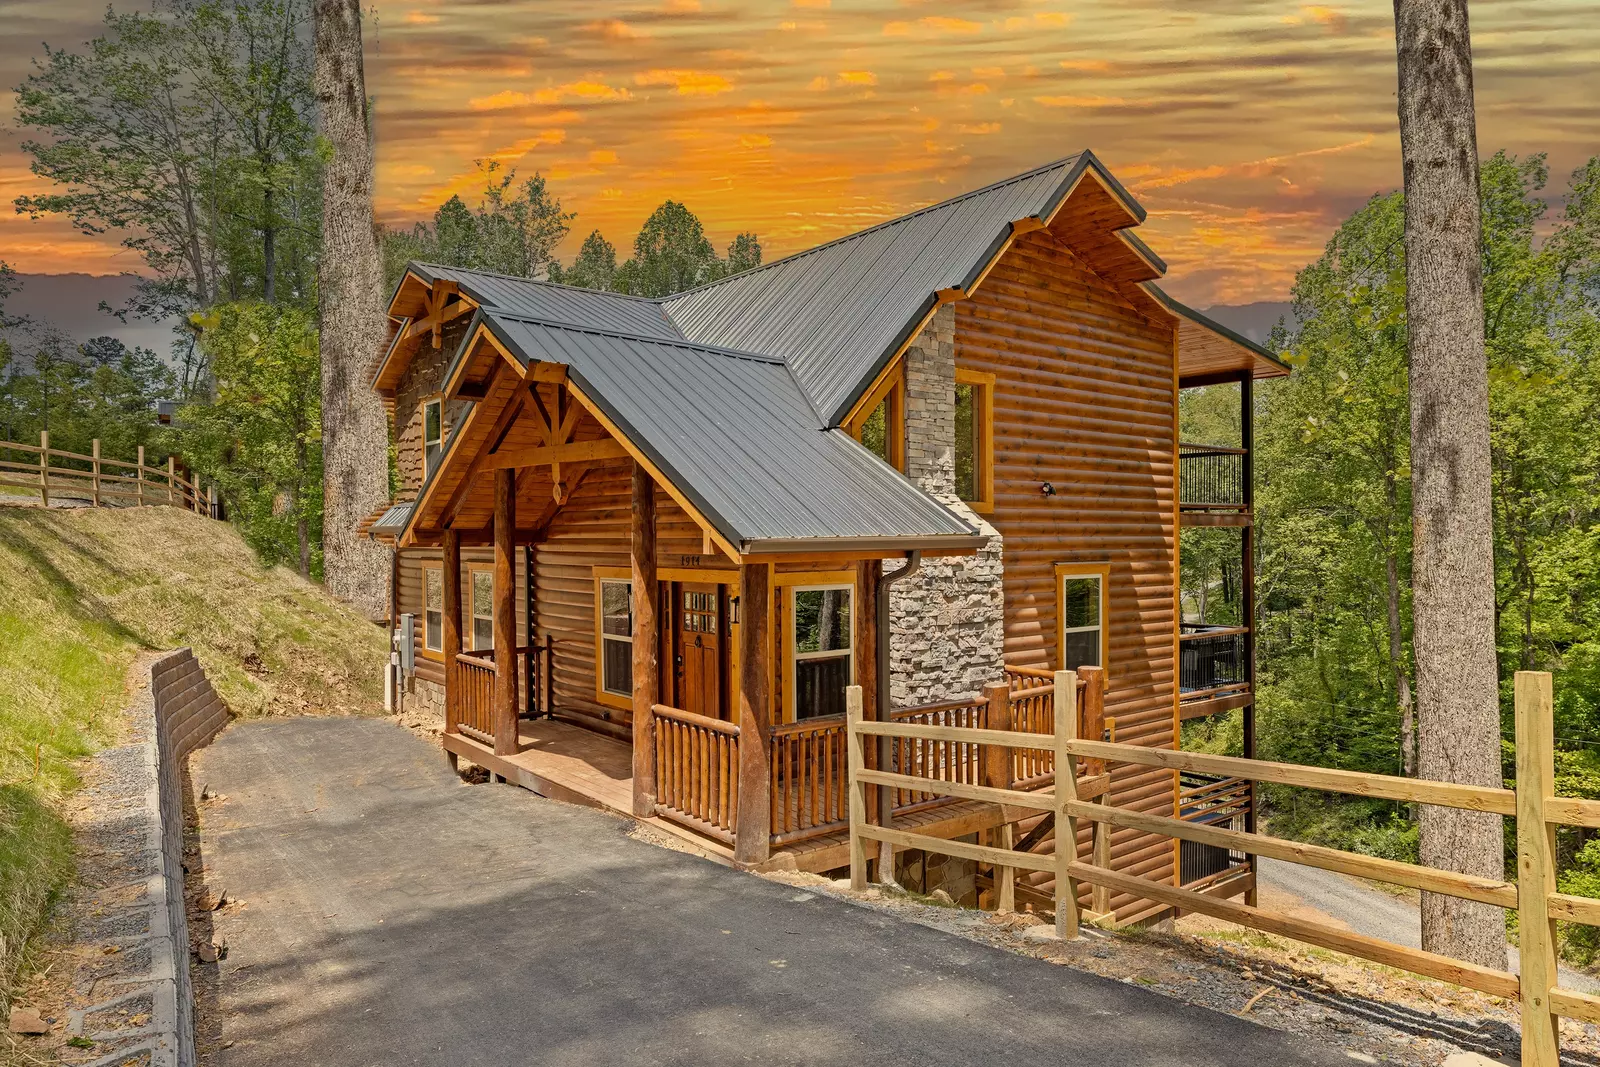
(539, 281)
(1001, 183)
(676, 342)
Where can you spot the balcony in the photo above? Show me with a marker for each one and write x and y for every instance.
(1212, 485)
(1213, 668)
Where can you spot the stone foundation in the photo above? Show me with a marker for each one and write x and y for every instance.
(947, 622)
(923, 872)
(422, 695)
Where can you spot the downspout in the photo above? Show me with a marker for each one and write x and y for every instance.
(885, 744)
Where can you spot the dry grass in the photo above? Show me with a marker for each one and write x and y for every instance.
(85, 591)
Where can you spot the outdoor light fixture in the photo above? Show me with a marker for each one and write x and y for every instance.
(1047, 489)
(733, 610)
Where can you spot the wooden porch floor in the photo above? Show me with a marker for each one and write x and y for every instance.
(578, 766)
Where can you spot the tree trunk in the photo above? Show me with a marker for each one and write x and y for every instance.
(269, 250)
(355, 441)
(1453, 579)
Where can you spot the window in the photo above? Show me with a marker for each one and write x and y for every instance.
(1081, 610)
(820, 645)
(481, 607)
(615, 600)
(433, 607)
(974, 444)
(880, 421)
(432, 434)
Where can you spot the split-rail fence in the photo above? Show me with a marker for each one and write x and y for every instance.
(99, 481)
(1532, 803)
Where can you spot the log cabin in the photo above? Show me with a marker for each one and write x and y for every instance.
(643, 545)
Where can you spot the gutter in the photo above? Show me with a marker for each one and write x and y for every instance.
(885, 795)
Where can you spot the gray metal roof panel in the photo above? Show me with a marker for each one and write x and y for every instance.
(837, 312)
(736, 433)
(395, 518)
(591, 308)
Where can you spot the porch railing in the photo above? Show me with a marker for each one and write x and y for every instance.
(475, 700)
(1212, 658)
(697, 771)
(940, 760)
(1212, 800)
(809, 777)
(1211, 476)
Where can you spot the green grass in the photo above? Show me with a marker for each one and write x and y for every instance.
(85, 593)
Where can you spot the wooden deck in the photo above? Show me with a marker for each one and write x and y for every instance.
(578, 766)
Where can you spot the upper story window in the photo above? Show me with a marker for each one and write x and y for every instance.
(432, 434)
(880, 422)
(821, 648)
(974, 438)
(482, 607)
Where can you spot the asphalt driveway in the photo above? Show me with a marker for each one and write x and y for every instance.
(390, 915)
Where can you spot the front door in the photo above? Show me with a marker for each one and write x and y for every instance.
(699, 653)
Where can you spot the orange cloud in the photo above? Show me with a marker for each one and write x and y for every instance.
(1080, 101)
(1331, 18)
(687, 82)
(612, 30)
(420, 18)
(813, 3)
(679, 7)
(933, 24)
(857, 77)
(818, 84)
(755, 140)
(981, 129)
(580, 90)
(602, 156)
(1087, 66)
(1050, 19)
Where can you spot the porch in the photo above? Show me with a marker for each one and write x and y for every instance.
(806, 817)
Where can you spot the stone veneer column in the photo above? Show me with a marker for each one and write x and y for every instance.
(947, 622)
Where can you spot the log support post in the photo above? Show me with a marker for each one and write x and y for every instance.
(139, 471)
(865, 623)
(1247, 572)
(753, 831)
(172, 481)
(646, 642)
(451, 575)
(44, 467)
(505, 612)
(997, 762)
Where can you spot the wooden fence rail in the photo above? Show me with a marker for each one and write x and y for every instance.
(1533, 802)
(100, 481)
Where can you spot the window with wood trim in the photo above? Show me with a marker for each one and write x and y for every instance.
(614, 671)
(480, 607)
(974, 443)
(1081, 615)
(821, 649)
(879, 422)
(432, 434)
(433, 607)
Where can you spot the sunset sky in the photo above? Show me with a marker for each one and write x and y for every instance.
(1248, 129)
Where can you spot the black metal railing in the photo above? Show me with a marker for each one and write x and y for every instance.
(1212, 657)
(1212, 800)
(1211, 476)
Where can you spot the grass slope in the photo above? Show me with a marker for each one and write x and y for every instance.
(87, 591)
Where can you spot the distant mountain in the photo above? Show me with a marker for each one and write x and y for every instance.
(1256, 320)
(71, 302)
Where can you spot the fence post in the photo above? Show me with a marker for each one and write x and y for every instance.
(1536, 880)
(211, 499)
(997, 761)
(94, 455)
(139, 470)
(44, 467)
(858, 788)
(172, 480)
(1066, 709)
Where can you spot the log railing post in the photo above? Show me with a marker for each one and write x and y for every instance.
(505, 612)
(139, 474)
(94, 456)
(752, 832)
(451, 609)
(1536, 877)
(44, 467)
(172, 480)
(853, 705)
(1066, 766)
(646, 641)
(997, 763)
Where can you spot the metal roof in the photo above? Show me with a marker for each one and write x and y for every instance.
(550, 302)
(393, 520)
(736, 434)
(839, 312)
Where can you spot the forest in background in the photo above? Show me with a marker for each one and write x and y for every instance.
(1333, 510)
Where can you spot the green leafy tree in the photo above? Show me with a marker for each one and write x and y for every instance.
(260, 437)
(595, 266)
(670, 254)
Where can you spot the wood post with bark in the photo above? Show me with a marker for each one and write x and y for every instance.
(505, 612)
(646, 642)
(355, 432)
(451, 575)
(753, 830)
(1458, 703)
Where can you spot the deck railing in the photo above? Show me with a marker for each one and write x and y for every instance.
(1216, 800)
(475, 697)
(1212, 658)
(697, 771)
(97, 481)
(808, 779)
(937, 759)
(1211, 476)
